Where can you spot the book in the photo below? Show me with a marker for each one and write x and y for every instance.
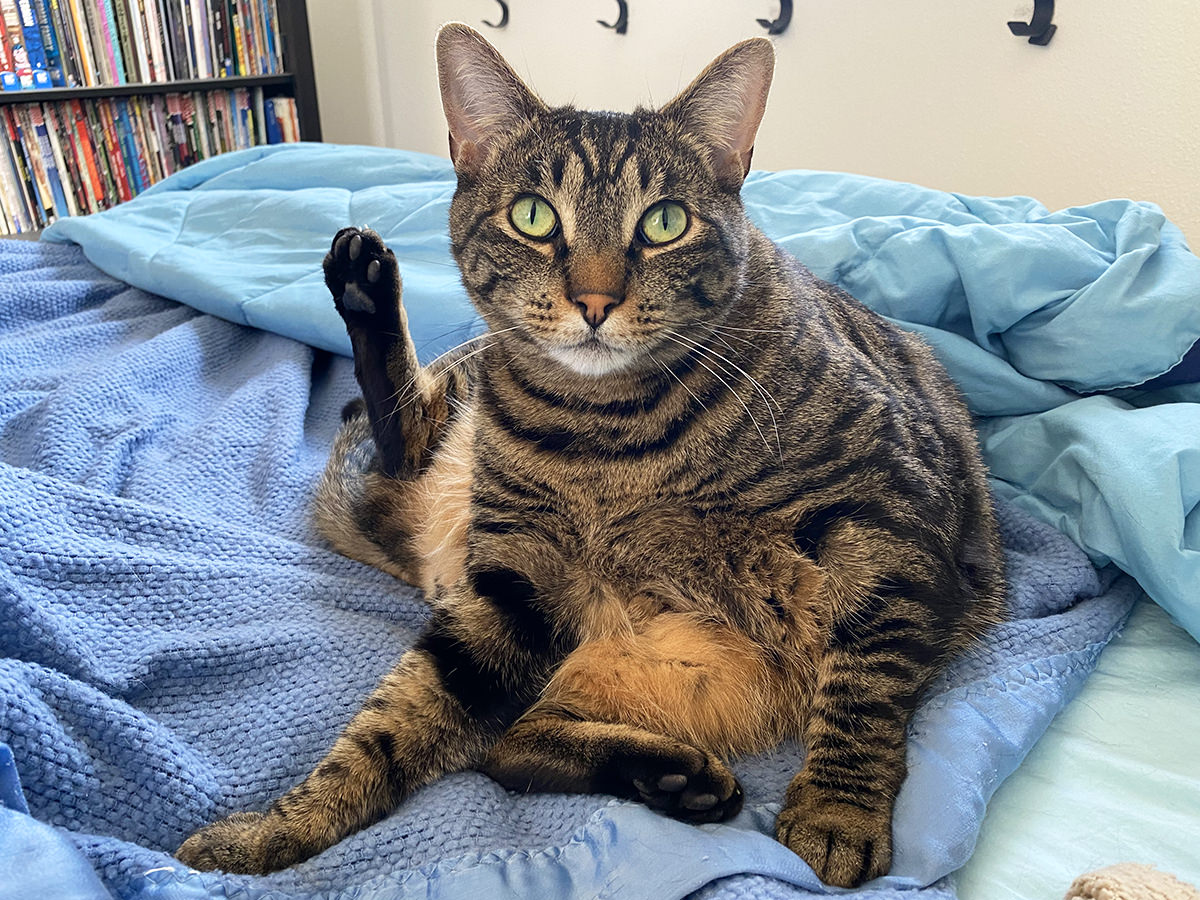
(36, 53)
(17, 215)
(58, 14)
(90, 65)
(45, 21)
(8, 72)
(16, 44)
(274, 134)
(112, 41)
(165, 40)
(120, 173)
(96, 30)
(128, 42)
(148, 10)
(49, 162)
(67, 163)
(80, 136)
(26, 180)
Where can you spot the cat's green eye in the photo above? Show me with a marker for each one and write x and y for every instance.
(533, 216)
(663, 222)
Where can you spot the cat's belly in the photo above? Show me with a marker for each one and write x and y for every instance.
(441, 508)
(677, 674)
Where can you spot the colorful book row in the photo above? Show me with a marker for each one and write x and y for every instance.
(74, 157)
(88, 43)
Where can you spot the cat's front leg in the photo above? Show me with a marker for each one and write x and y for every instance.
(837, 813)
(407, 406)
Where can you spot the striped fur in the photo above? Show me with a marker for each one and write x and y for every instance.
(741, 509)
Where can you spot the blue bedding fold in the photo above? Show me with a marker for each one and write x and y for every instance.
(1030, 310)
(178, 644)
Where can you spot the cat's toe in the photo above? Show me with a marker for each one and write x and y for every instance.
(364, 279)
(688, 784)
(230, 845)
(843, 844)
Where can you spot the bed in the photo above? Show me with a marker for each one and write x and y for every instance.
(179, 644)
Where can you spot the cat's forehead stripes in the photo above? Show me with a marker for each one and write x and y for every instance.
(596, 170)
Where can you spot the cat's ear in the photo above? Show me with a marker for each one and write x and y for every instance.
(723, 107)
(481, 95)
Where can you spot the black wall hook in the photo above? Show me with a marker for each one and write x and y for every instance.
(1038, 29)
(779, 25)
(622, 24)
(503, 16)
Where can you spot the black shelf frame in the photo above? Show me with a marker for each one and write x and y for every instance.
(299, 82)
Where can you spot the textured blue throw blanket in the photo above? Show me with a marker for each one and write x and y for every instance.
(178, 644)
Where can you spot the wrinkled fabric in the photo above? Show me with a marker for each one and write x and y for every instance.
(178, 643)
(1028, 309)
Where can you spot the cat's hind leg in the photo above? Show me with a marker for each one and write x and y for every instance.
(548, 750)
(647, 715)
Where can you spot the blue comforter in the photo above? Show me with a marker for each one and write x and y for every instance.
(1048, 321)
(178, 644)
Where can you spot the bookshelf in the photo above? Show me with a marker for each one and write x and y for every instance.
(119, 123)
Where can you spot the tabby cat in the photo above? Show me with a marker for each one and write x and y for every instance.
(681, 502)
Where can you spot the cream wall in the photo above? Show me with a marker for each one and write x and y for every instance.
(936, 92)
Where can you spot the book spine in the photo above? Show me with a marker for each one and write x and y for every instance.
(116, 159)
(137, 148)
(165, 40)
(62, 155)
(256, 32)
(33, 46)
(97, 32)
(178, 129)
(24, 168)
(16, 43)
(14, 199)
(37, 163)
(113, 43)
(49, 162)
(149, 134)
(45, 20)
(199, 22)
(166, 144)
(56, 13)
(149, 12)
(246, 26)
(89, 63)
(210, 38)
(78, 127)
(268, 38)
(8, 204)
(8, 72)
(129, 29)
(103, 154)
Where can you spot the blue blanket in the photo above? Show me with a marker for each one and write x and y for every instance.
(1054, 324)
(179, 644)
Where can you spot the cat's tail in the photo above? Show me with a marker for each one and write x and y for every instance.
(342, 497)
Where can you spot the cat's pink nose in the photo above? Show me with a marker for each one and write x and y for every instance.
(596, 307)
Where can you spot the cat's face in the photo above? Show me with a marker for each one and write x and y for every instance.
(598, 240)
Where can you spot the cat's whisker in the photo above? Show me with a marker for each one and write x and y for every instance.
(766, 396)
(667, 369)
(732, 389)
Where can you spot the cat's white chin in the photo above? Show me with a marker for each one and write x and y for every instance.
(592, 358)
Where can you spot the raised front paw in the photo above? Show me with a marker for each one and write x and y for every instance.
(845, 844)
(682, 781)
(248, 843)
(362, 275)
